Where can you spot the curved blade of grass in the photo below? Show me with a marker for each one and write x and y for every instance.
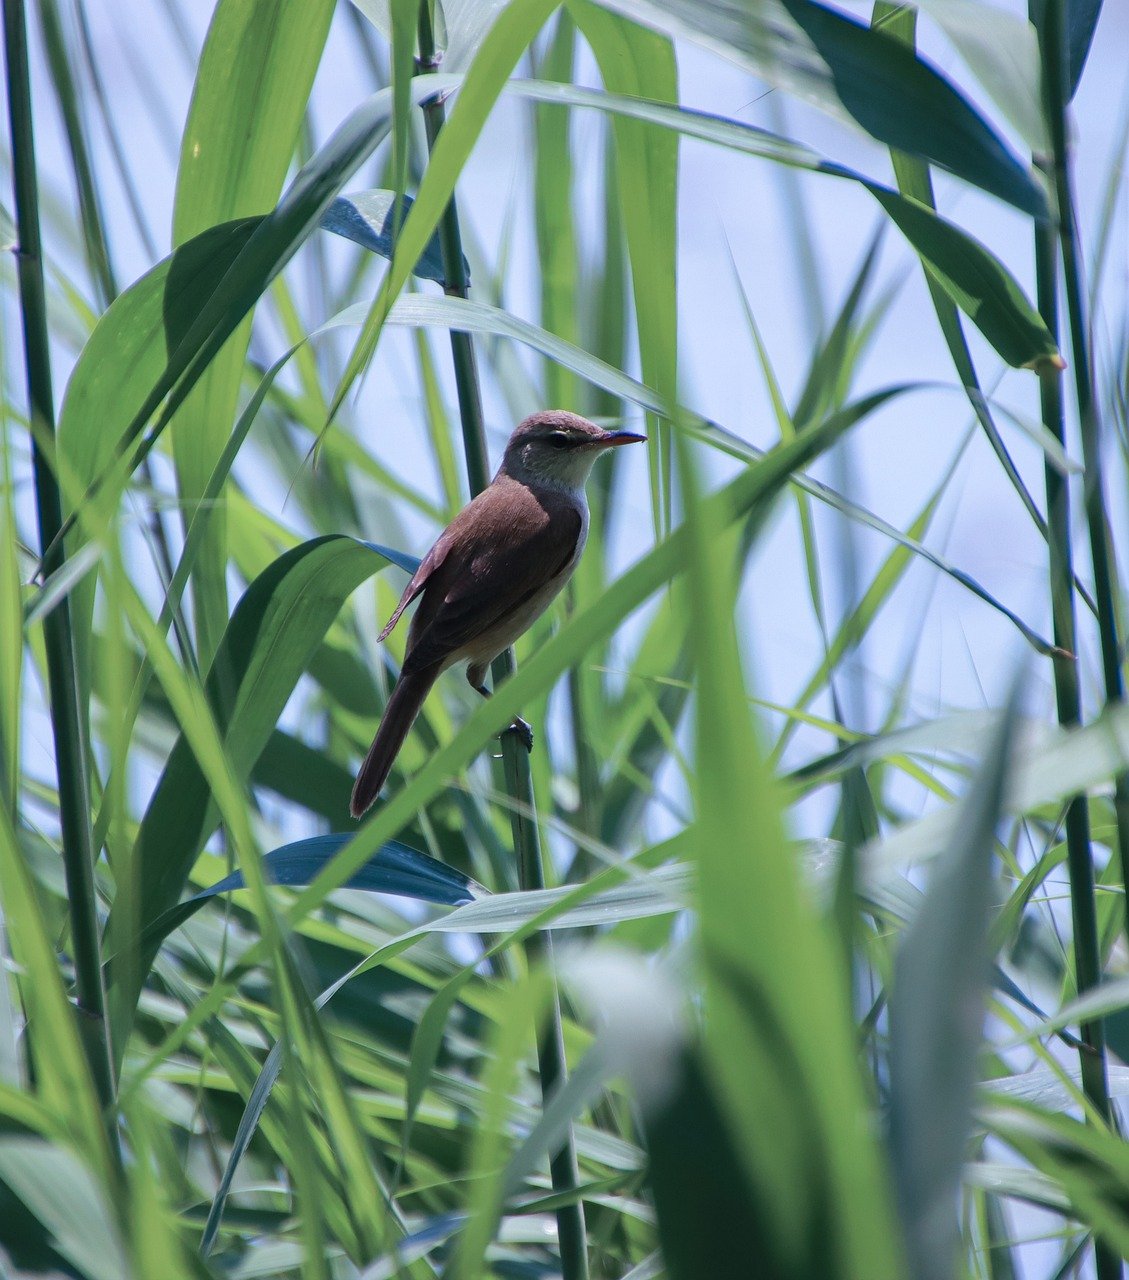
(776, 1006)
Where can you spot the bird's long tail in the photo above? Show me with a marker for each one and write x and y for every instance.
(399, 715)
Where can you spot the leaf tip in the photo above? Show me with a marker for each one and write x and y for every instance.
(1047, 363)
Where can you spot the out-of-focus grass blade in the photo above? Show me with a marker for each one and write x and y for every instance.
(937, 1012)
(1081, 22)
(77, 1210)
(634, 61)
(277, 626)
(895, 96)
(252, 84)
(368, 218)
(976, 280)
(554, 215)
(11, 635)
(776, 1009)
(1066, 763)
(62, 1076)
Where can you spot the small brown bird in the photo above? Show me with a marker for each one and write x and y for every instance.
(494, 570)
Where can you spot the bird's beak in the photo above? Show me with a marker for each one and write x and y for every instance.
(613, 439)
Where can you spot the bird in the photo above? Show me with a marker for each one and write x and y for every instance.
(492, 572)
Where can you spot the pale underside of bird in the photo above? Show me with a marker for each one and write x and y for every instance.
(492, 573)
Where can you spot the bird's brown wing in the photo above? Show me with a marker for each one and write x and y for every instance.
(427, 566)
(499, 553)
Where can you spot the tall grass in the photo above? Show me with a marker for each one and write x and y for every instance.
(820, 973)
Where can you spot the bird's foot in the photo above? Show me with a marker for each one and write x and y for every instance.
(524, 731)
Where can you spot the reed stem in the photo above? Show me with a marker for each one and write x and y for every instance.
(68, 718)
(564, 1171)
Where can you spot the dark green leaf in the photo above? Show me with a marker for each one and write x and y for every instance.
(902, 101)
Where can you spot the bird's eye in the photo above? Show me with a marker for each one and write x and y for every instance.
(559, 439)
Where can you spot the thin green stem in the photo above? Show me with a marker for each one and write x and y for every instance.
(68, 720)
(1080, 863)
(1052, 41)
(552, 1064)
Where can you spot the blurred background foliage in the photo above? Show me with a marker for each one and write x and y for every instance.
(798, 946)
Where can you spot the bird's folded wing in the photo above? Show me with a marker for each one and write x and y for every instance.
(512, 550)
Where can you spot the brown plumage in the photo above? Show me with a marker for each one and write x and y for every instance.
(494, 570)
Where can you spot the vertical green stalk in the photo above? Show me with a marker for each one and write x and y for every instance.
(1052, 47)
(67, 720)
(571, 1233)
(1080, 864)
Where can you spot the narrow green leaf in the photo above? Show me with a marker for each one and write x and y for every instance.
(634, 61)
(235, 152)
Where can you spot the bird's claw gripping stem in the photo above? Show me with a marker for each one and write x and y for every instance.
(524, 731)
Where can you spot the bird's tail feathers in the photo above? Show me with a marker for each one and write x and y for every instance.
(399, 715)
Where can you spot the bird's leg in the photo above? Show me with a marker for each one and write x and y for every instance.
(522, 728)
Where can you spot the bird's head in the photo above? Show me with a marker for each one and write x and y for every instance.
(558, 448)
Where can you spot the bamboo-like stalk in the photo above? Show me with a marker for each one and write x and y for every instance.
(68, 722)
(1052, 44)
(552, 1065)
(1080, 863)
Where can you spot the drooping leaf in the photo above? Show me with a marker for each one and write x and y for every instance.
(895, 96)
(395, 868)
(969, 273)
(274, 631)
(368, 218)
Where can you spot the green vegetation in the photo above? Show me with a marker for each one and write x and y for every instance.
(705, 986)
